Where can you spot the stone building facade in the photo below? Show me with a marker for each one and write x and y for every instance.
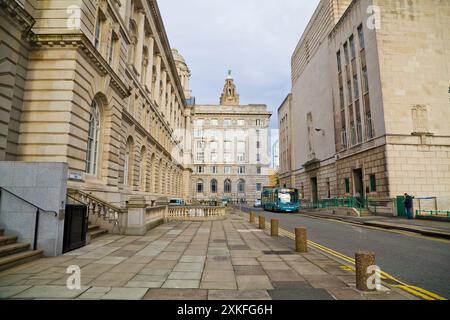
(285, 143)
(230, 145)
(95, 84)
(370, 90)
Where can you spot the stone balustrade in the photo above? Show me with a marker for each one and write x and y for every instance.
(195, 213)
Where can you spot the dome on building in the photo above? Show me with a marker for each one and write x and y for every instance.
(177, 56)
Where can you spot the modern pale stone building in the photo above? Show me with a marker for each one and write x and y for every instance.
(370, 102)
(95, 84)
(230, 149)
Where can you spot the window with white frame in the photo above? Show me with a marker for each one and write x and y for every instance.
(241, 170)
(93, 140)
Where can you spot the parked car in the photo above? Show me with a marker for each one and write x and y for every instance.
(257, 203)
(176, 202)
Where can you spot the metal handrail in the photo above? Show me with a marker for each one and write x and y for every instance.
(38, 211)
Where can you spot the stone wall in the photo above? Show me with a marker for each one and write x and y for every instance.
(326, 176)
(420, 170)
(44, 185)
(372, 162)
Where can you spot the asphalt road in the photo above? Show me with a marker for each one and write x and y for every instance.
(415, 260)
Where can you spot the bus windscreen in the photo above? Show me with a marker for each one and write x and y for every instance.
(288, 197)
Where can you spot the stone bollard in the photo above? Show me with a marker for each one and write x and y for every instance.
(252, 217)
(274, 227)
(301, 240)
(363, 260)
(262, 222)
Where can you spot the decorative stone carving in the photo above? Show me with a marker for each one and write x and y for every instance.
(420, 119)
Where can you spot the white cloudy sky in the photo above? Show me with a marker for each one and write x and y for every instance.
(253, 38)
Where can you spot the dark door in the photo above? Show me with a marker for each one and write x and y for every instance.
(75, 227)
(315, 196)
(359, 186)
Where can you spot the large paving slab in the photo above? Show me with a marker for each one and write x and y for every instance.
(217, 260)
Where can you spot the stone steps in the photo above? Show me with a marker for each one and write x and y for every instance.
(13, 248)
(95, 231)
(13, 253)
(7, 240)
(19, 258)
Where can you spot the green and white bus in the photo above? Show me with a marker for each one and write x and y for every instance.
(280, 200)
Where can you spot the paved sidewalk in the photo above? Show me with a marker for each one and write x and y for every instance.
(220, 260)
(439, 229)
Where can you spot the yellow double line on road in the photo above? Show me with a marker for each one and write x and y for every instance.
(416, 291)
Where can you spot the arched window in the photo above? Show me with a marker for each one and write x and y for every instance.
(199, 186)
(93, 140)
(127, 168)
(143, 169)
(227, 186)
(241, 186)
(213, 186)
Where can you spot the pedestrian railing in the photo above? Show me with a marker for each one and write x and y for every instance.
(433, 213)
(346, 202)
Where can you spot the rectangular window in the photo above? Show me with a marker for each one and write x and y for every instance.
(200, 156)
(200, 145)
(258, 187)
(199, 133)
(214, 170)
(352, 47)
(362, 44)
(213, 156)
(199, 123)
(346, 53)
(258, 157)
(98, 32)
(227, 157)
(258, 122)
(349, 87)
(373, 183)
(241, 157)
(339, 64)
(341, 97)
(214, 122)
(200, 169)
(258, 144)
(258, 170)
(356, 87)
(365, 80)
(241, 123)
(227, 170)
(347, 185)
(111, 50)
(226, 122)
(241, 170)
(199, 187)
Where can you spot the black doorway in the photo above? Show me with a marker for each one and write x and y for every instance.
(315, 196)
(75, 227)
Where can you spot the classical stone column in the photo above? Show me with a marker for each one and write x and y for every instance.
(156, 96)
(163, 94)
(140, 20)
(149, 78)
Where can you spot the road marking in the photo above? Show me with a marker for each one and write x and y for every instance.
(419, 292)
(402, 232)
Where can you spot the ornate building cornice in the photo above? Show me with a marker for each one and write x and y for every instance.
(165, 42)
(81, 42)
(14, 10)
